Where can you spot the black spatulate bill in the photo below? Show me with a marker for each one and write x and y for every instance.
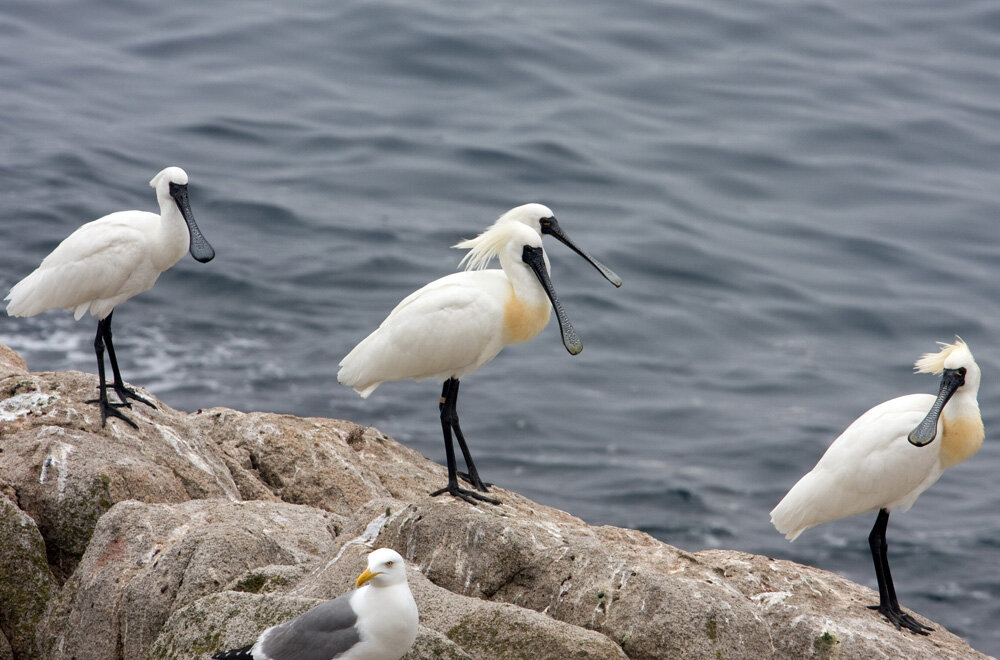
(201, 250)
(535, 258)
(924, 434)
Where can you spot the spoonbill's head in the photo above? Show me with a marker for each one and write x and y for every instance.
(518, 245)
(385, 568)
(958, 370)
(532, 215)
(541, 219)
(171, 188)
(166, 176)
(952, 358)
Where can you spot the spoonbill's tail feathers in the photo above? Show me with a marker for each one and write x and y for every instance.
(358, 369)
(22, 299)
(349, 375)
(798, 511)
(352, 373)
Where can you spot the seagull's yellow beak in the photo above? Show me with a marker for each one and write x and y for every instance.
(364, 577)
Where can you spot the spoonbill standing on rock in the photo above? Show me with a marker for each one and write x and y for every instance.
(106, 262)
(376, 621)
(456, 324)
(885, 459)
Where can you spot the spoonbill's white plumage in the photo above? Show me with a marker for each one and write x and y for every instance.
(456, 324)
(376, 621)
(887, 457)
(107, 261)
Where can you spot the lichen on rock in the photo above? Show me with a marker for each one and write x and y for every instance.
(26, 584)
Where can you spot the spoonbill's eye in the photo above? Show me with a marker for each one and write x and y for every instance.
(545, 221)
(961, 371)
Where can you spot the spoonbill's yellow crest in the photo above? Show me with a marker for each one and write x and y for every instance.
(454, 325)
(106, 262)
(887, 457)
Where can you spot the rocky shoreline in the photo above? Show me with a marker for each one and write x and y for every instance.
(196, 531)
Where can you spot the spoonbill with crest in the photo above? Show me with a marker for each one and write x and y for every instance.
(885, 459)
(454, 325)
(107, 261)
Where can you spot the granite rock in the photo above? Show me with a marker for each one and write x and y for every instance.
(196, 531)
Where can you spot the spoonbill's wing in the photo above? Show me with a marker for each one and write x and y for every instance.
(870, 466)
(106, 259)
(446, 329)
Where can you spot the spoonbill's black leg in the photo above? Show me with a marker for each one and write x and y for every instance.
(888, 605)
(107, 408)
(124, 392)
(447, 412)
(472, 476)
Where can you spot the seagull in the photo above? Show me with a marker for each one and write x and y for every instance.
(456, 324)
(376, 621)
(107, 261)
(885, 459)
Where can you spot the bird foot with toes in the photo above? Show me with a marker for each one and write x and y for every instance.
(475, 481)
(902, 620)
(125, 393)
(469, 496)
(109, 409)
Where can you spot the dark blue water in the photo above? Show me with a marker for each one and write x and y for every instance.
(801, 198)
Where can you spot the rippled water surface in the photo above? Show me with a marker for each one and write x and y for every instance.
(800, 197)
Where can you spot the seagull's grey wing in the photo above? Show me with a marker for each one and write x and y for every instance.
(322, 633)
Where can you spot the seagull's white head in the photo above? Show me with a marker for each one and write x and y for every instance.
(385, 568)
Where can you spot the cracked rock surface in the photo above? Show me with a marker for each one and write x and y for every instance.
(195, 532)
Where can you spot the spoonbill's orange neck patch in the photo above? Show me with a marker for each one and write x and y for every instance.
(522, 321)
(961, 439)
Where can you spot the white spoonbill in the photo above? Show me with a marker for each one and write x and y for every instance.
(885, 459)
(456, 324)
(107, 261)
(376, 621)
